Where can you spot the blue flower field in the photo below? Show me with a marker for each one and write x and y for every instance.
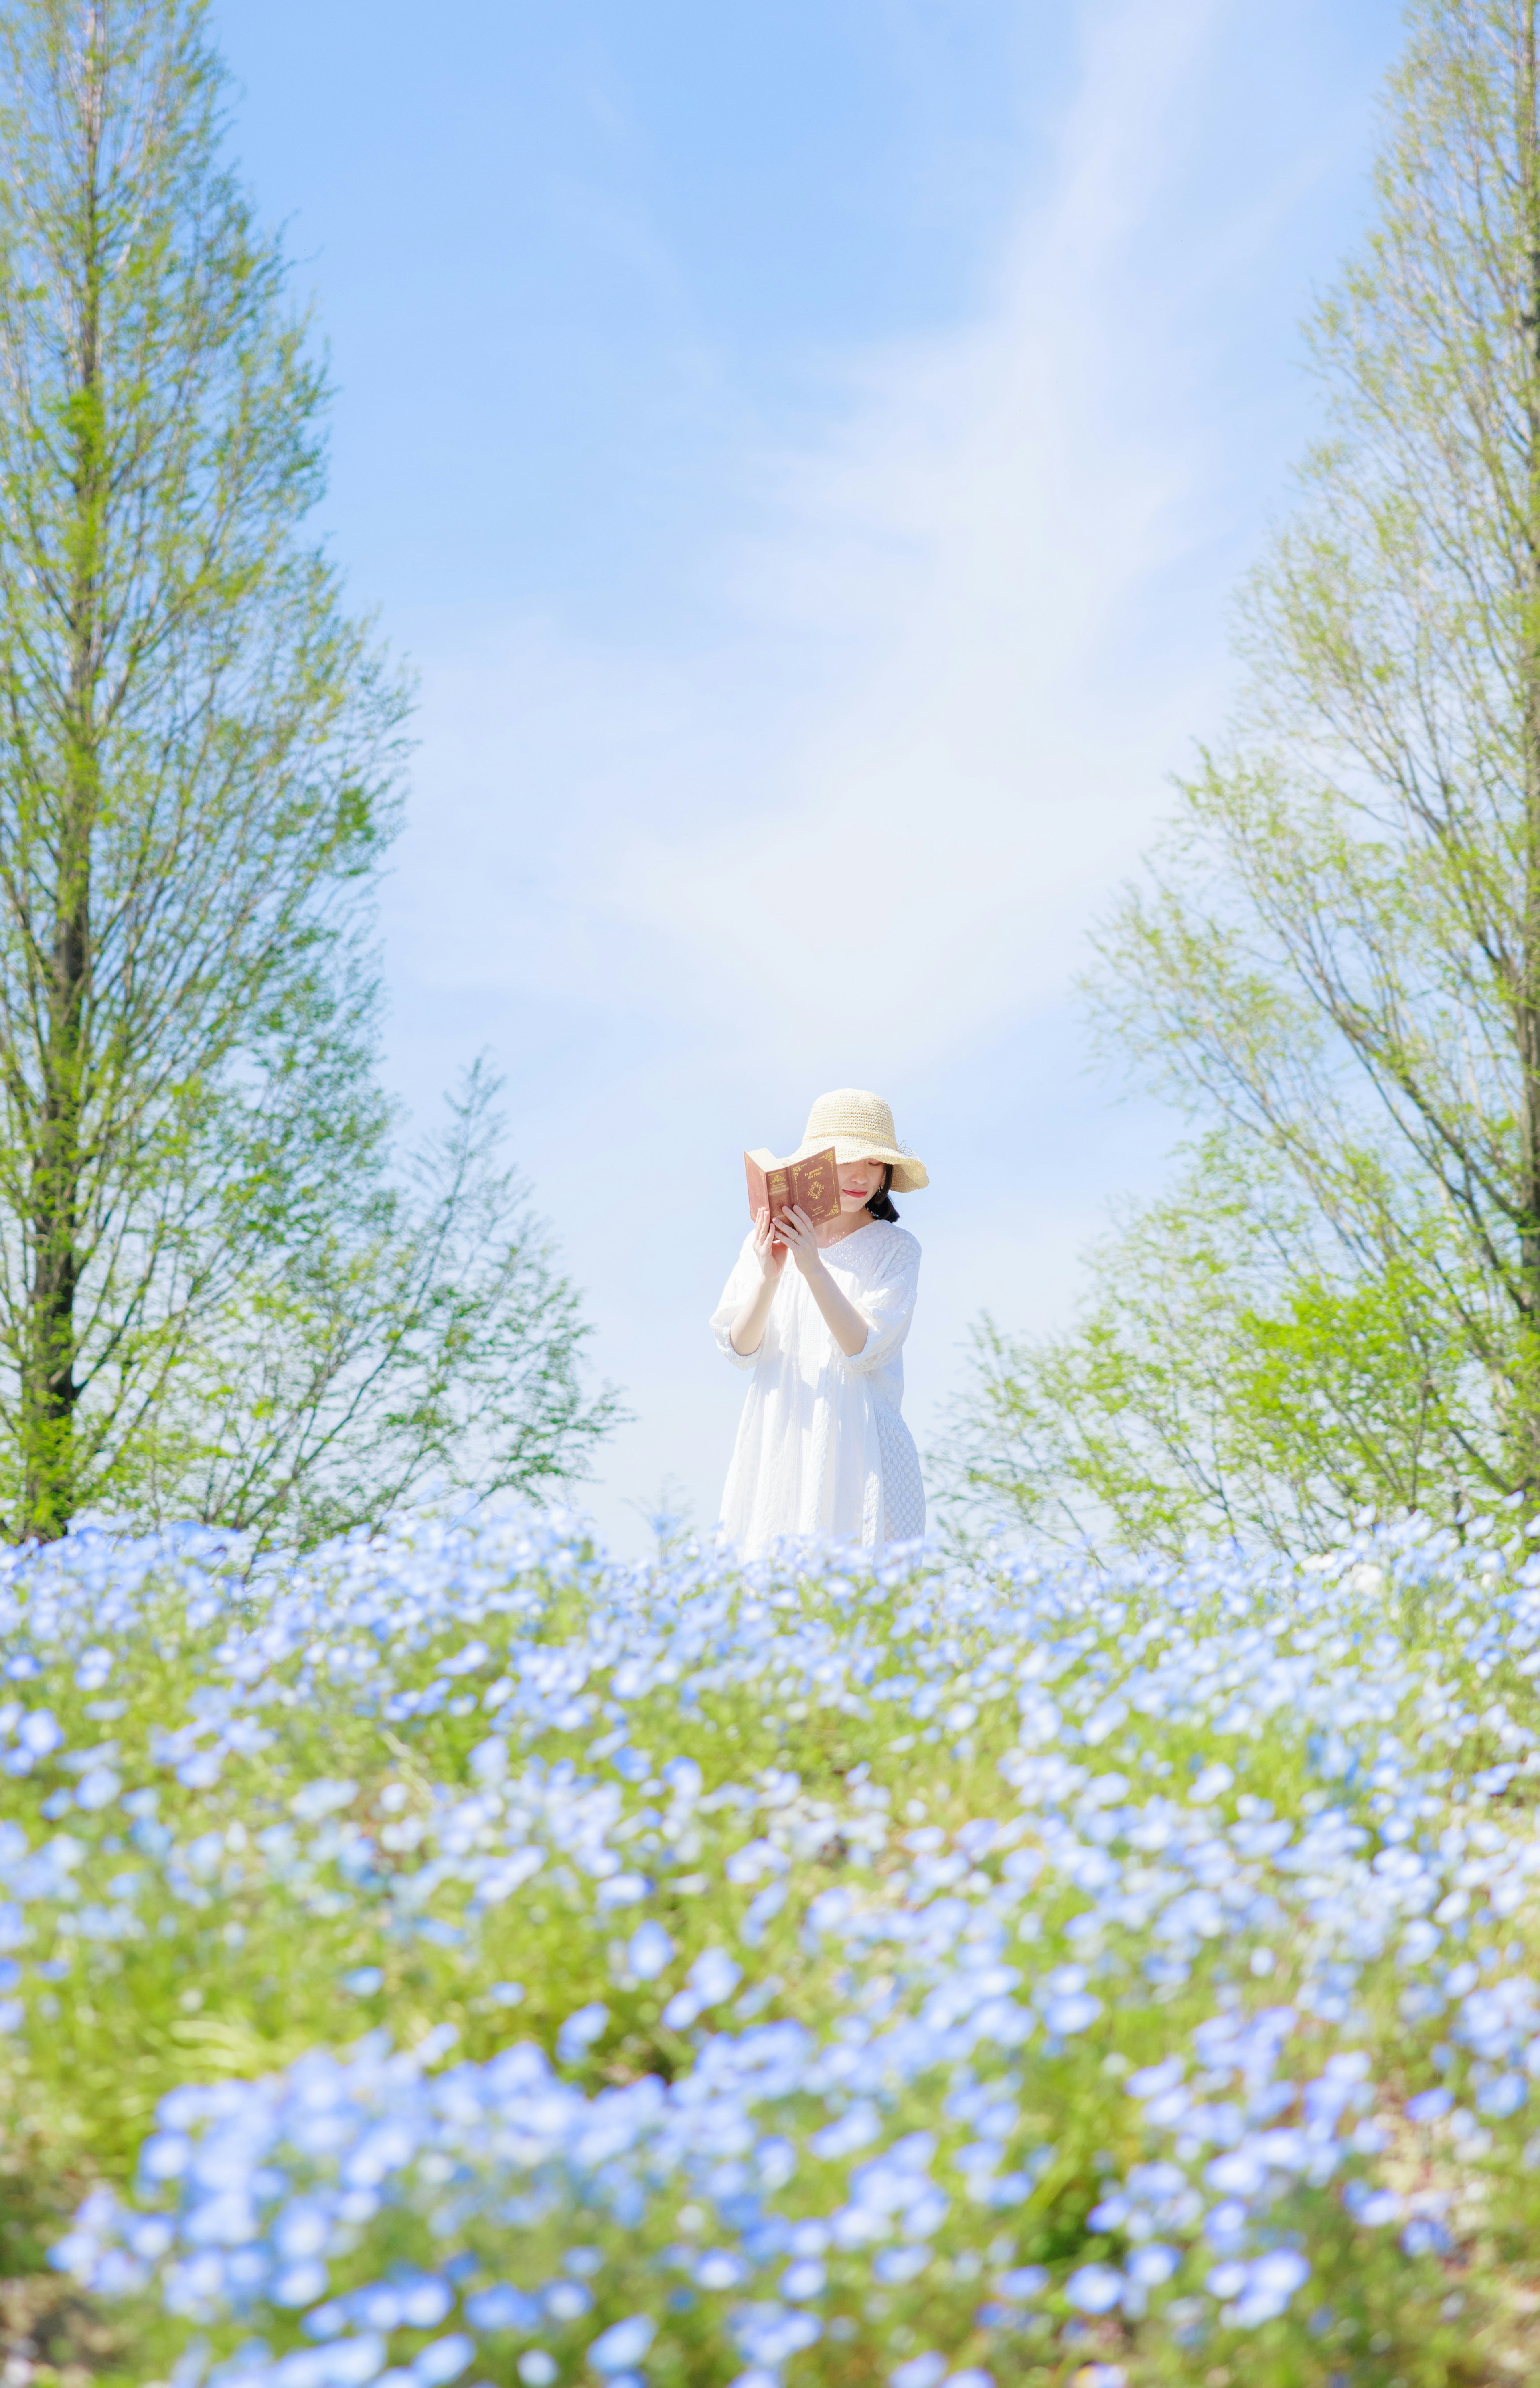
(453, 1957)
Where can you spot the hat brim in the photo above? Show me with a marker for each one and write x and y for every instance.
(909, 1174)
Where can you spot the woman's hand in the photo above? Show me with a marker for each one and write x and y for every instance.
(747, 1330)
(768, 1251)
(844, 1321)
(799, 1236)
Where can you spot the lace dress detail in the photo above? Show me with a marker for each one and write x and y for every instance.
(822, 1447)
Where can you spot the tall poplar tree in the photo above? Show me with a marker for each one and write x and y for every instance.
(1334, 963)
(215, 1293)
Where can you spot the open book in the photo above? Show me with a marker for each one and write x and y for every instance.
(812, 1185)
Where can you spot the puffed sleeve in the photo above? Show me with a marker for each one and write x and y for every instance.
(887, 1307)
(736, 1291)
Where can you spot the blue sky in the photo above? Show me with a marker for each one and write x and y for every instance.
(806, 452)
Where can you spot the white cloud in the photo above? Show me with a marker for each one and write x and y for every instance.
(861, 838)
(974, 539)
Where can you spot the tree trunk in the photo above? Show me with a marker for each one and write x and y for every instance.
(50, 1391)
(1525, 1424)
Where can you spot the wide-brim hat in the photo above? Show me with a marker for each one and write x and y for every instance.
(860, 1126)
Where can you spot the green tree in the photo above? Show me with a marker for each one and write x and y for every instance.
(1218, 1377)
(1334, 961)
(414, 1330)
(214, 1291)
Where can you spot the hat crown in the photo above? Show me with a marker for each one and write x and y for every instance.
(851, 1111)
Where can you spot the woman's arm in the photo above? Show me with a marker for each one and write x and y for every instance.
(747, 1332)
(844, 1321)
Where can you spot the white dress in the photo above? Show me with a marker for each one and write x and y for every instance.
(821, 1447)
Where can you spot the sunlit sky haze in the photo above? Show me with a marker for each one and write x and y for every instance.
(806, 452)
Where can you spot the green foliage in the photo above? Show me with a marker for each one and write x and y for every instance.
(411, 1332)
(1222, 1797)
(1333, 964)
(1224, 1368)
(217, 1289)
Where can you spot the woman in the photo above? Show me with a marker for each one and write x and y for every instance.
(820, 1313)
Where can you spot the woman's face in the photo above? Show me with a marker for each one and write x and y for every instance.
(858, 1180)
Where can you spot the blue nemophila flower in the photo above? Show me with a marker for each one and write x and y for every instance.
(719, 2267)
(1263, 2287)
(768, 2334)
(1186, 1769)
(1071, 2011)
(1094, 2288)
(649, 1949)
(713, 1977)
(445, 2359)
(622, 2345)
(502, 2308)
(563, 2300)
(1151, 2264)
(37, 1733)
(1024, 2281)
(580, 2030)
(920, 2371)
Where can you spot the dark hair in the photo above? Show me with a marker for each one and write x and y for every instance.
(881, 1204)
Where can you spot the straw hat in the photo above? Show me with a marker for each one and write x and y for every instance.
(860, 1126)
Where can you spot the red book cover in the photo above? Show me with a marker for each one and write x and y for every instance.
(812, 1185)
